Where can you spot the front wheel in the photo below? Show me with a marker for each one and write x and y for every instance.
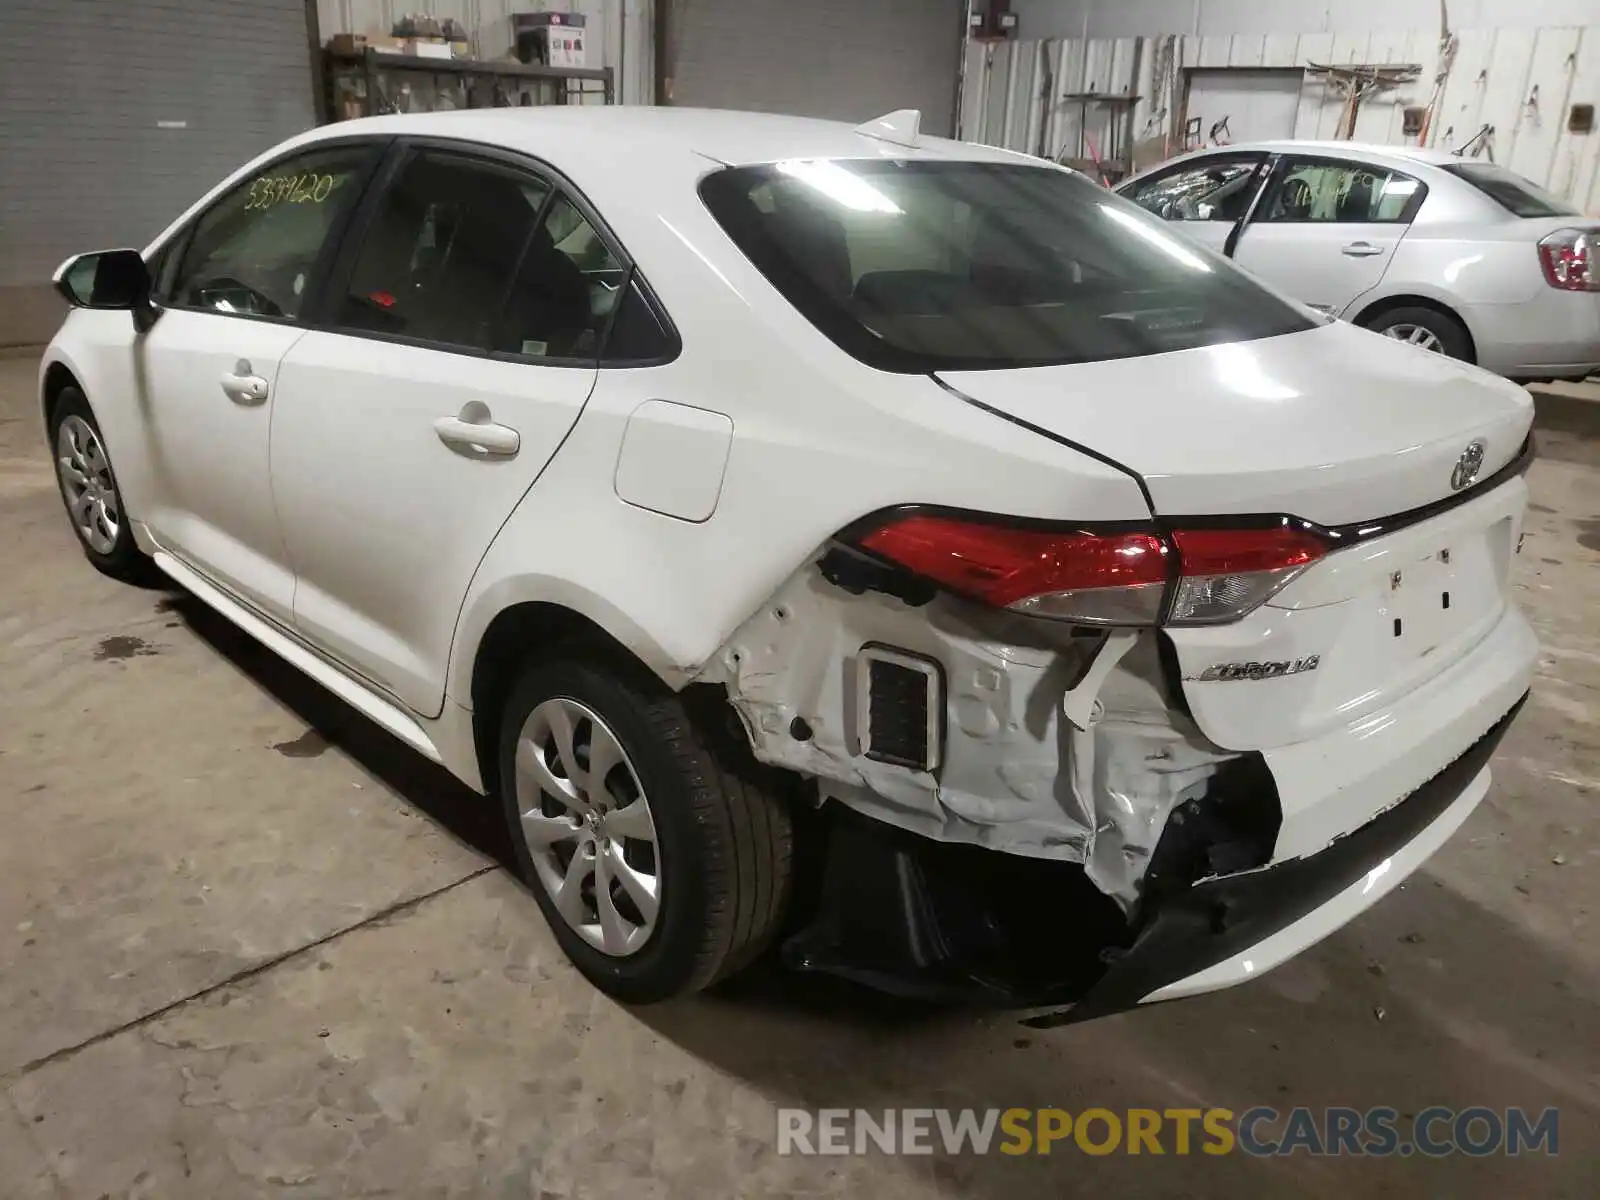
(1424, 328)
(658, 849)
(89, 489)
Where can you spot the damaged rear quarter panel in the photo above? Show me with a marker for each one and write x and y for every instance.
(1016, 776)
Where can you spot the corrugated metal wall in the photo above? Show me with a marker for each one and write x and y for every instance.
(840, 59)
(114, 117)
(619, 32)
(1520, 81)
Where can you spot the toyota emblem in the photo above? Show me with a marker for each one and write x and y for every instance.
(1467, 467)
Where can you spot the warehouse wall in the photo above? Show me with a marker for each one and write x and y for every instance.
(1518, 76)
(619, 31)
(114, 117)
(1127, 18)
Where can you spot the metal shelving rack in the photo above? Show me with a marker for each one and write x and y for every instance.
(372, 83)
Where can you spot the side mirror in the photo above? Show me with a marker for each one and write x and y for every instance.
(114, 279)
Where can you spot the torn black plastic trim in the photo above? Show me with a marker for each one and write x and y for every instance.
(1202, 925)
(857, 572)
(951, 923)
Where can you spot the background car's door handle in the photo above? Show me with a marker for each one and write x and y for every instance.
(243, 385)
(1361, 250)
(474, 433)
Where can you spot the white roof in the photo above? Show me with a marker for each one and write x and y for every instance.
(1353, 149)
(578, 138)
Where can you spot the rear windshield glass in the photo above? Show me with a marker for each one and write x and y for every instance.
(1512, 192)
(922, 266)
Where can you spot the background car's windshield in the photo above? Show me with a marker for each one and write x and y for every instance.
(921, 266)
(1519, 196)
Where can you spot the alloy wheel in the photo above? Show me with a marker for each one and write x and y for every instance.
(87, 483)
(588, 828)
(1416, 335)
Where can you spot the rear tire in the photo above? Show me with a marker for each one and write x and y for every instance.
(1425, 328)
(89, 489)
(715, 834)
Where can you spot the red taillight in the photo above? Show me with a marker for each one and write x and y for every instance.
(1228, 572)
(1568, 259)
(1098, 578)
(1112, 578)
(1237, 551)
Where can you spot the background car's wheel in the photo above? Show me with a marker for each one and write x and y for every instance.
(658, 848)
(89, 489)
(1425, 328)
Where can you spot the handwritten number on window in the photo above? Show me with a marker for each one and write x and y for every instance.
(304, 188)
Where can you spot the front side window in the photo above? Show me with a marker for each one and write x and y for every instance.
(1518, 196)
(252, 253)
(1217, 189)
(921, 266)
(1318, 191)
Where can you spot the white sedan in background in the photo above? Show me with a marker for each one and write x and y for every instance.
(903, 551)
(1452, 254)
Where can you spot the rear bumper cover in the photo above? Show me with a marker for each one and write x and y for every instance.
(1216, 919)
(942, 922)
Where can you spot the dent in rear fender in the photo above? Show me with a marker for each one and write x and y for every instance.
(1015, 775)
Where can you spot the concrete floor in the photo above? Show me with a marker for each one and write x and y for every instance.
(251, 946)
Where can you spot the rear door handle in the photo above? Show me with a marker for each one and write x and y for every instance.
(478, 436)
(1361, 250)
(243, 385)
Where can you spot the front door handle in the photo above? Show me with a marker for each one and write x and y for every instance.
(474, 433)
(1361, 250)
(243, 385)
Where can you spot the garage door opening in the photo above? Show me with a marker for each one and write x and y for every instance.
(1235, 104)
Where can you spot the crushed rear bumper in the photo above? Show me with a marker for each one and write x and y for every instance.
(1216, 919)
(933, 921)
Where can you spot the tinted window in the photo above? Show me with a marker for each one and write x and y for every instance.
(1218, 189)
(254, 250)
(637, 333)
(439, 256)
(1512, 192)
(564, 289)
(1317, 190)
(920, 266)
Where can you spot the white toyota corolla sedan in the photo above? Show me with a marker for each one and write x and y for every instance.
(903, 552)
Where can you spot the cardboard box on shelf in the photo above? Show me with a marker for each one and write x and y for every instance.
(426, 47)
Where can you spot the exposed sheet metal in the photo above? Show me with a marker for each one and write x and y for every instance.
(1018, 776)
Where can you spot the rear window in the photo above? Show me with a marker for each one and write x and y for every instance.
(1511, 192)
(924, 266)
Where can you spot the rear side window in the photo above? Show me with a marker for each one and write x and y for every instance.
(1518, 196)
(438, 259)
(1321, 190)
(468, 254)
(252, 253)
(563, 291)
(921, 266)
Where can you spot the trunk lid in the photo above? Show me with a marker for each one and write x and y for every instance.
(1335, 425)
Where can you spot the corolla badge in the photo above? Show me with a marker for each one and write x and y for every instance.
(1235, 672)
(1467, 466)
